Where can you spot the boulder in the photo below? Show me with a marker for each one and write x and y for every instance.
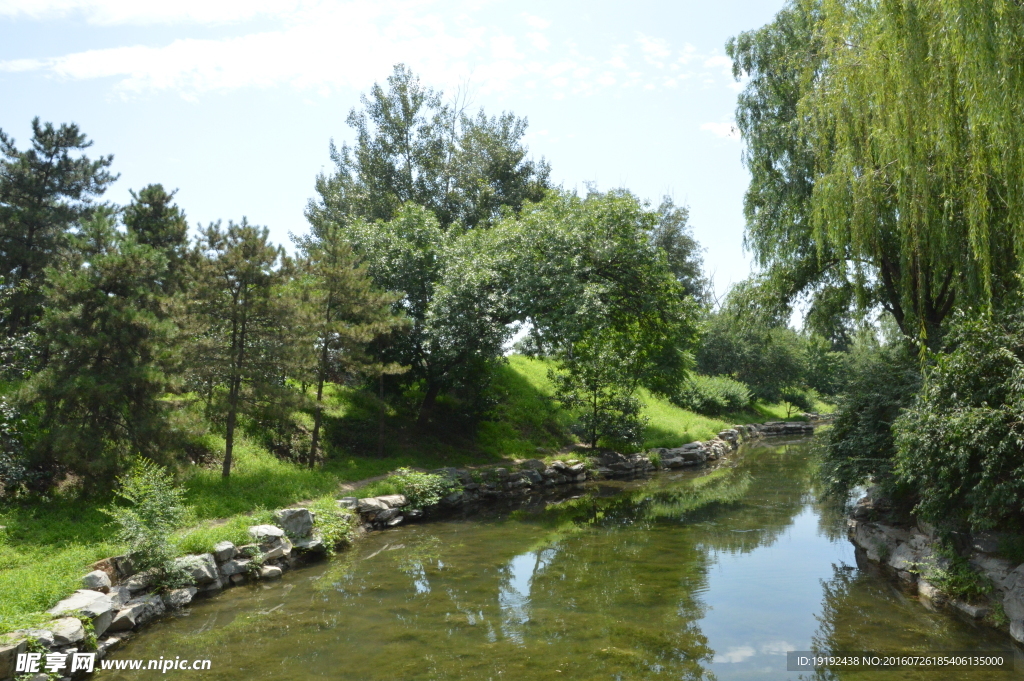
(394, 500)
(119, 595)
(971, 609)
(1017, 630)
(66, 631)
(202, 569)
(43, 637)
(140, 582)
(238, 579)
(234, 567)
(212, 587)
(371, 505)
(92, 604)
(179, 598)
(137, 612)
(348, 503)
(9, 652)
(279, 548)
(297, 522)
(729, 435)
(224, 551)
(270, 572)
(533, 465)
(313, 544)
(97, 580)
(397, 520)
(927, 590)
(263, 533)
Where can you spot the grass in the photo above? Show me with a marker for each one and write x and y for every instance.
(48, 545)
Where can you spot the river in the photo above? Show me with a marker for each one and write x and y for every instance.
(683, 576)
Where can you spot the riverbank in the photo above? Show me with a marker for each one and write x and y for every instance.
(115, 602)
(970, 574)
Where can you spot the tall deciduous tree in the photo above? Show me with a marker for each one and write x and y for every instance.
(99, 390)
(887, 152)
(239, 320)
(44, 192)
(412, 147)
(344, 313)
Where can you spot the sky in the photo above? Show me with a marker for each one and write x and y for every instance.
(234, 102)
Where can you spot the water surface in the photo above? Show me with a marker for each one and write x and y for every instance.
(684, 576)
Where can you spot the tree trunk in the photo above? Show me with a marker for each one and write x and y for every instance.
(427, 407)
(229, 439)
(317, 417)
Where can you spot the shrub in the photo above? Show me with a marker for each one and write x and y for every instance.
(421, 489)
(958, 447)
(155, 509)
(335, 525)
(860, 445)
(712, 395)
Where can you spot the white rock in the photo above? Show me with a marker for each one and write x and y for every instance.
(297, 522)
(97, 580)
(371, 505)
(89, 603)
(224, 550)
(67, 631)
(270, 572)
(262, 532)
(119, 595)
(394, 500)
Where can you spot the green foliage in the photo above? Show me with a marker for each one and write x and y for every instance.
(592, 383)
(44, 193)
(850, 202)
(336, 526)
(953, 575)
(421, 489)
(156, 507)
(712, 395)
(98, 393)
(959, 445)
(674, 237)
(767, 358)
(241, 323)
(860, 443)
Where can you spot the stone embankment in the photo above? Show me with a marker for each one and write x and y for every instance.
(910, 552)
(117, 600)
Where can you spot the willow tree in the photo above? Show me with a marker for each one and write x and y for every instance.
(894, 151)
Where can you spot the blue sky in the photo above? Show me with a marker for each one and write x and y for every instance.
(234, 103)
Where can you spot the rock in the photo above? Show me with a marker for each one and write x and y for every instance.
(92, 604)
(397, 520)
(234, 567)
(387, 514)
(559, 466)
(729, 435)
(66, 631)
(224, 551)
(927, 590)
(371, 505)
(297, 522)
(136, 612)
(263, 533)
(971, 610)
(533, 476)
(280, 548)
(238, 579)
(452, 499)
(107, 644)
(909, 555)
(987, 542)
(97, 580)
(1017, 630)
(270, 572)
(179, 598)
(313, 544)
(414, 513)
(394, 500)
(202, 568)
(533, 465)
(139, 582)
(43, 637)
(119, 595)
(348, 503)
(212, 587)
(9, 652)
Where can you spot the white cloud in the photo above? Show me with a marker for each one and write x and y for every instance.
(735, 654)
(537, 22)
(111, 12)
(319, 46)
(724, 130)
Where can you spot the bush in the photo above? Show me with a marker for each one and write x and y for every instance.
(421, 489)
(712, 395)
(959, 446)
(860, 445)
(156, 508)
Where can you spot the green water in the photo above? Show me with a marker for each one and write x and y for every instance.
(685, 576)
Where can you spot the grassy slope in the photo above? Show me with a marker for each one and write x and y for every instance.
(48, 545)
